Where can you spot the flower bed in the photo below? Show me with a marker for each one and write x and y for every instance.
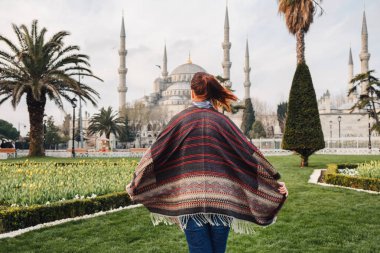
(28, 183)
(353, 175)
(13, 218)
(32, 193)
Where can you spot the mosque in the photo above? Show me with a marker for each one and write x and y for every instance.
(171, 91)
(171, 94)
(338, 121)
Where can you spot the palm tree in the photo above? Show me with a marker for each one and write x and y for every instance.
(106, 122)
(42, 69)
(303, 131)
(299, 15)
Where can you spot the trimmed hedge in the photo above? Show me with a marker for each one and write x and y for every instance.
(13, 218)
(332, 177)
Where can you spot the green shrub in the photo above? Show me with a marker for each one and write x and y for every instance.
(332, 177)
(248, 117)
(13, 218)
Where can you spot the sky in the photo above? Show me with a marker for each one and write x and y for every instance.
(196, 26)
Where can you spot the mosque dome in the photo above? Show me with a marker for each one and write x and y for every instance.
(185, 72)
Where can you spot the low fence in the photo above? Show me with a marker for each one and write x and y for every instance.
(272, 147)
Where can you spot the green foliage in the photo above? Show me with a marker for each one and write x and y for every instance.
(369, 169)
(42, 69)
(7, 130)
(303, 132)
(13, 218)
(282, 109)
(333, 177)
(106, 122)
(29, 183)
(370, 98)
(127, 134)
(257, 131)
(52, 134)
(248, 117)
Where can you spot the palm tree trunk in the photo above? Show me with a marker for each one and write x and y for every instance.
(300, 36)
(108, 135)
(36, 111)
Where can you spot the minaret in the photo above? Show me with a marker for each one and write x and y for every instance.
(247, 70)
(226, 45)
(165, 65)
(352, 96)
(364, 55)
(122, 89)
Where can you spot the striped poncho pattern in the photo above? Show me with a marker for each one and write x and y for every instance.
(202, 166)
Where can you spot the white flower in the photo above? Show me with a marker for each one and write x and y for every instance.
(48, 203)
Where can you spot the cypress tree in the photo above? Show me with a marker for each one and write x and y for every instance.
(303, 132)
(248, 117)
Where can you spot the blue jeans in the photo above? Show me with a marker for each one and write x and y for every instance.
(206, 238)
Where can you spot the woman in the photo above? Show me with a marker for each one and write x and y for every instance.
(203, 174)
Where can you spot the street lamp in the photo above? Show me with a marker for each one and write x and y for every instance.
(368, 107)
(331, 129)
(73, 103)
(45, 130)
(339, 120)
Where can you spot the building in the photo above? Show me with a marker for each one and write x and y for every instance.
(171, 91)
(339, 121)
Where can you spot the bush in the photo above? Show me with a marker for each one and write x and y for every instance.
(332, 177)
(248, 117)
(13, 218)
(303, 132)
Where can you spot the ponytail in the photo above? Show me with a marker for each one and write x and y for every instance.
(205, 86)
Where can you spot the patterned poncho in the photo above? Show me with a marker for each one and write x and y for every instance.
(202, 166)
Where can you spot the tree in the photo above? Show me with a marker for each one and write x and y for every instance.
(369, 98)
(299, 14)
(52, 136)
(248, 117)
(258, 130)
(281, 114)
(303, 132)
(66, 126)
(7, 131)
(42, 69)
(127, 134)
(105, 122)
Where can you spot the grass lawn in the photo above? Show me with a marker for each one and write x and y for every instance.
(314, 219)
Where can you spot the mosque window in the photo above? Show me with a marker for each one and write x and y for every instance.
(149, 127)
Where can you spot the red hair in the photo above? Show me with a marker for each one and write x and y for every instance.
(206, 87)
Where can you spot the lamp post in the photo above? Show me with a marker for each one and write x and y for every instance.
(339, 120)
(368, 107)
(45, 130)
(73, 103)
(331, 129)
